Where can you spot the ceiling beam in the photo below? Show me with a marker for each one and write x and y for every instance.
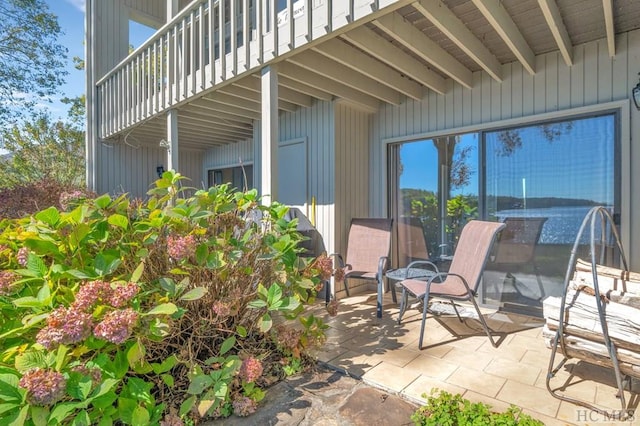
(250, 95)
(501, 21)
(213, 118)
(449, 24)
(304, 88)
(554, 20)
(284, 93)
(305, 76)
(233, 105)
(353, 58)
(421, 45)
(215, 128)
(384, 51)
(224, 113)
(319, 64)
(607, 5)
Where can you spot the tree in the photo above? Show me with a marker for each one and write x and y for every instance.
(31, 60)
(43, 149)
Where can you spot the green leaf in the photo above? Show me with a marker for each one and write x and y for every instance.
(168, 285)
(9, 388)
(39, 415)
(28, 302)
(44, 293)
(8, 406)
(102, 201)
(50, 216)
(274, 294)
(265, 323)
(103, 388)
(82, 419)
(79, 232)
(140, 389)
(60, 357)
(81, 275)
(186, 406)
(242, 332)
(79, 386)
(36, 265)
(202, 252)
(199, 384)
(168, 379)
(105, 421)
(32, 359)
(126, 407)
(289, 304)
(119, 221)
(140, 417)
(227, 345)
(163, 309)
(20, 418)
(45, 248)
(103, 401)
(61, 411)
(194, 294)
(257, 304)
(166, 365)
(135, 354)
(137, 273)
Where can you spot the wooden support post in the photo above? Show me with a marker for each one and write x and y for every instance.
(172, 140)
(270, 135)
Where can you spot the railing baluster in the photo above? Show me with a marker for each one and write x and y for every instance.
(259, 27)
(155, 77)
(222, 45)
(120, 102)
(176, 66)
(307, 9)
(246, 13)
(274, 28)
(212, 42)
(292, 34)
(163, 59)
(192, 52)
(202, 45)
(185, 60)
(233, 37)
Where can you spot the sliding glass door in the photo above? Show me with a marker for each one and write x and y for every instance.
(540, 179)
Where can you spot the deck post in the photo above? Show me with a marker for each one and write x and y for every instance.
(172, 137)
(91, 136)
(270, 135)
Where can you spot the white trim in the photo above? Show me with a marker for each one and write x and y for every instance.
(493, 125)
(227, 166)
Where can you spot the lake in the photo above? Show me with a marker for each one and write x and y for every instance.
(562, 225)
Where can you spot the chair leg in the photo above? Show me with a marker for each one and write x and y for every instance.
(346, 288)
(484, 324)
(403, 304)
(391, 284)
(424, 319)
(456, 310)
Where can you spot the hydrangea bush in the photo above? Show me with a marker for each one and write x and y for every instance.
(158, 312)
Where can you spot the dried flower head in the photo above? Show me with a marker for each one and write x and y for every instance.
(44, 387)
(244, 406)
(22, 256)
(324, 265)
(338, 275)
(332, 308)
(92, 293)
(221, 309)
(65, 326)
(250, 370)
(288, 337)
(68, 199)
(122, 294)
(181, 247)
(116, 326)
(171, 419)
(93, 373)
(7, 280)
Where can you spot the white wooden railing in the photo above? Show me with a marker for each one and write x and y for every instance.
(180, 61)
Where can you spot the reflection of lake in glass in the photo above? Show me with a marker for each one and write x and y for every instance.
(562, 225)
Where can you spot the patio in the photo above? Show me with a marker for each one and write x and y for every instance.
(460, 359)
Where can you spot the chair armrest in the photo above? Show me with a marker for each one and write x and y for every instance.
(423, 262)
(382, 263)
(443, 275)
(337, 259)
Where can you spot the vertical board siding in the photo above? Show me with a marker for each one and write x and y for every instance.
(190, 166)
(594, 78)
(123, 168)
(233, 154)
(316, 125)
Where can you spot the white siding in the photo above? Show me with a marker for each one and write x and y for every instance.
(595, 78)
(112, 35)
(191, 167)
(233, 154)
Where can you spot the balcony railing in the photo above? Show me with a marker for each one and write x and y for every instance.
(186, 57)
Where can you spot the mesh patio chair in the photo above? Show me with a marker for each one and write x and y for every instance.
(461, 282)
(516, 247)
(367, 253)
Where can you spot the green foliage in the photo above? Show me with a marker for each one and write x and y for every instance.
(41, 149)
(453, 410)
(131, 312)
(31, 59)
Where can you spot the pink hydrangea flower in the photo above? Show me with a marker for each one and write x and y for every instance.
(93, 373)
(44, 387)
(181, 247)
(22, 256)
(69, 198)
(221, 309)
(122, 294)
(101, 292)
(116, 326)
(324, 265)
(332, 308)
(171, 419)
(65, 326)
(250, 370)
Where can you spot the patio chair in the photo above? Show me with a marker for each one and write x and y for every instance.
(461, 282)
(516, 247)
(368, 249)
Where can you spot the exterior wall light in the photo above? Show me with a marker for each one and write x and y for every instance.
(636, 95)
(160, 170)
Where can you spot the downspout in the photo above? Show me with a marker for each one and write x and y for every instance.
(91, 134)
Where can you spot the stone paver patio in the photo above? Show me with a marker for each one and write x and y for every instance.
(460, 359)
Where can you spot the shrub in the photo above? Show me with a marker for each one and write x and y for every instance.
(153, 312)
(453, 410)
(29, 198)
